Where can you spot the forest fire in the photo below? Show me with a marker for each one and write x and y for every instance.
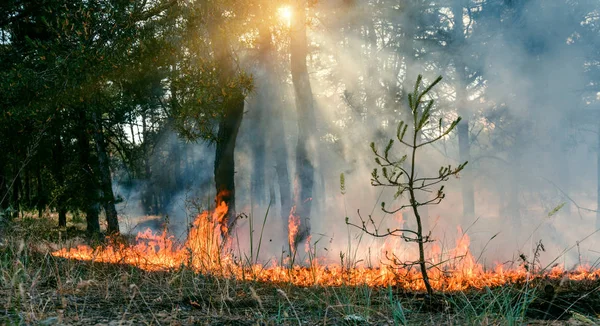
(205, 252)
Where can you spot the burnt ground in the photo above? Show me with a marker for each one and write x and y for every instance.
(37, 288)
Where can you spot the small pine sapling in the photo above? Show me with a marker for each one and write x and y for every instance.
(400, 173)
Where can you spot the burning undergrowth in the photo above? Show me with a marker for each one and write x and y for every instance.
(205, 252)
(158, 280)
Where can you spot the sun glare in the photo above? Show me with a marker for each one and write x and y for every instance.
(285, 14)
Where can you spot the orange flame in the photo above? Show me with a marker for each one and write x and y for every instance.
(293, 227)
(205, 252)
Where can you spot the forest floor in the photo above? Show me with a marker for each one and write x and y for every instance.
(38, 288)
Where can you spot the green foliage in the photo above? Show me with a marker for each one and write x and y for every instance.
(342, 184)
(556, 209)
(201, 98)
(401, 174)
(66, 65)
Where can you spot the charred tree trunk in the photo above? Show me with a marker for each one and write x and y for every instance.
(90, 188)
(108, 197)
(233, 111)
(306, 119)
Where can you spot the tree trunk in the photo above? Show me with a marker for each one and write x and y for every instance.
(16, 204)
(58, 165)
(131, 130)
(90, 188)
(464, 146)
(306, 119)
(464, 149)
(372, 78)
(273, 107)
(92, 219)
(4, 204)
(27, 187)
(41, 196)
(108, 197)
(233, 111)
(147, 196)
(258, 182)
(259, 124)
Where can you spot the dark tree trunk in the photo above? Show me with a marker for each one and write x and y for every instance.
(16, 204)
(131, 130)
(233, 111)
(89, 182)
(3, 188)
(58, 164)
(4, 193)
(27, 187)
(148, 193)
(62, 216)
(108, 197)
(306, 120)
(180, 151)
(41, 196)
(92, 219)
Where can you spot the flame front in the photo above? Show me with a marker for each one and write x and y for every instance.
(205, 252)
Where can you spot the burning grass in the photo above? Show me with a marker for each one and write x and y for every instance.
(205, 252)
(156, 281)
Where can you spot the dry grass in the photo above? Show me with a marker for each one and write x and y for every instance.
(37, 288)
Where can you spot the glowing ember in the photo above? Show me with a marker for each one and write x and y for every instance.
(205, 252)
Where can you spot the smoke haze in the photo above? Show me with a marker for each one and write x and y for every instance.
(530, 103)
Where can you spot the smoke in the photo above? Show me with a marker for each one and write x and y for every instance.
(533, 148)
(180, 186)
(524, 112)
